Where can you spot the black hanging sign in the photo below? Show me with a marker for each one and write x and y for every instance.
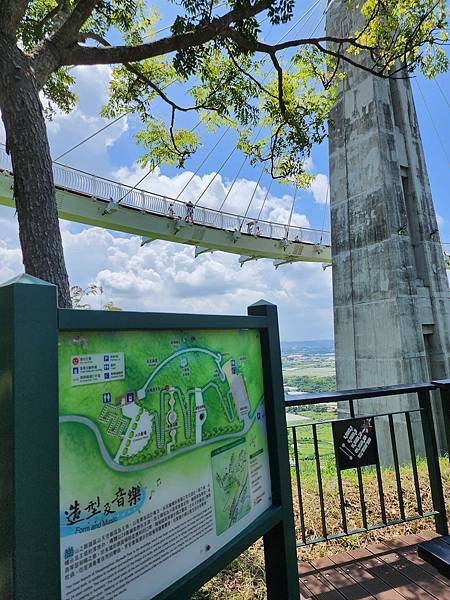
(355, 442)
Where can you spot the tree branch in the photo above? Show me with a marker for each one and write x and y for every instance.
(46, 57)
(50, 15)
(279, 71)
(84, 36)
(142, 77)
(80, 55)
(58, 14)
(258, 46)
(172, 135)
(258, 84)
(271, 50)
(162, 94)
(69, 30)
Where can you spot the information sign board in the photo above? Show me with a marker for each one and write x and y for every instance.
(141, 453)
(355, 442)
(163, 462)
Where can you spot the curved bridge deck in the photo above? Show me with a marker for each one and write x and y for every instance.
(96, 201)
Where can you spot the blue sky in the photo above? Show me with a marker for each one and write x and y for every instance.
(434, 117)
(164, 276)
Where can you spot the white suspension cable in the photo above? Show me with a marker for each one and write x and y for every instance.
(436, 130)
(442, 92)
(233, 182)
(150, 171)
(167, 27)
(90, 137)
(203, 161)
(320, 20)
(292, 211)
(236, 176)
(265, 198)
(251, 199)
(215, 175)
(138, 183)
(304, 15)
(257, 135)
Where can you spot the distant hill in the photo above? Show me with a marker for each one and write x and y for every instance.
(317, 347)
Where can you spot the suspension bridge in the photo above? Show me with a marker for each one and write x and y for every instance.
(96, 201)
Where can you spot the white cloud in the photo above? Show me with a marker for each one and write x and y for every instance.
(320, 188)
(67, 130)
(440, 220)
(163, 276)
(308, 164)
(10, 261)
(8, 227)
(211, 189)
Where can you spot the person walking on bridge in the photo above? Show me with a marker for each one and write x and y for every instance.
(170, 211)
(189, 212)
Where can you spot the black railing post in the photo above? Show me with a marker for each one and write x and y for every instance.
(444, 390)
(434, 471)
(299, 486)
(412, 451)
(362, 498)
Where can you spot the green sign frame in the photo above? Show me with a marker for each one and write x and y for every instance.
(30, 322)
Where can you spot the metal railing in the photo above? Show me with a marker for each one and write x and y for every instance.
(79, 182)
(344, 503)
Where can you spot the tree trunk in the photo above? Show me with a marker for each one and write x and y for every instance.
(34, 191)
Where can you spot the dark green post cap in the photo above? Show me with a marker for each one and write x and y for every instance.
(24, 278)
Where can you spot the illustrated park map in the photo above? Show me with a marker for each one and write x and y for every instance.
(162, 433)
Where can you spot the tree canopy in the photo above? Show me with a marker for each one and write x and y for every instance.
(216, 54)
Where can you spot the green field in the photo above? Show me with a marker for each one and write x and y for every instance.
(309, 370)
(304, 437)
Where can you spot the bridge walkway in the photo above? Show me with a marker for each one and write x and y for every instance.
(96, 201)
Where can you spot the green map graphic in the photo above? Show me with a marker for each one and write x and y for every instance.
(178, 390)
(231, 484)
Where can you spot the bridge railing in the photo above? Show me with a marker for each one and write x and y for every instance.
(77, 181)
(332, 500)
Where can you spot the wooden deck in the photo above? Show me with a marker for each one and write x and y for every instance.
(387, 571)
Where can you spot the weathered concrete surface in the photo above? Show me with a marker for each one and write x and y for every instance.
(390, 288)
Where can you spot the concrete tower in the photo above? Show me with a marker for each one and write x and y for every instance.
(390, 288)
